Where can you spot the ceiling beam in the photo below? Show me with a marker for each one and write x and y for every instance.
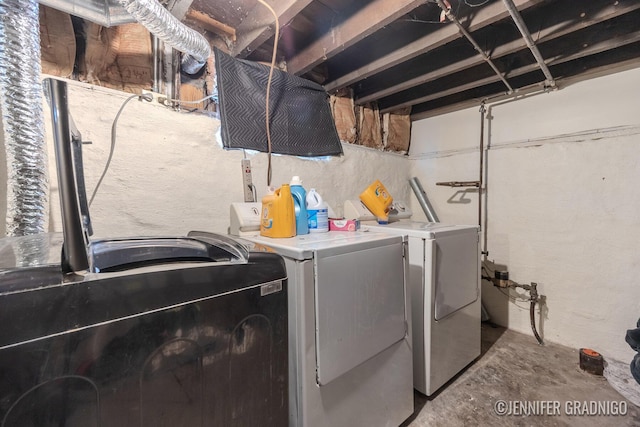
(363, 23)
(210, 24)
(485, 16)
(258, 26)
(593, 49)
(566, 25)
(592, 73)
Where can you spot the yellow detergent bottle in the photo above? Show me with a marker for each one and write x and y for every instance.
(378, 200)
(278, 217)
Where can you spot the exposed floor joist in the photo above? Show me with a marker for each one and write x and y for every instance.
(558, 59)
(565, 23)
(259, 26)
(486, 16)
(523, 92)
(369, 19)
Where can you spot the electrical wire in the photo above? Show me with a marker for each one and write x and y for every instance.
(420, 21)
(476, 4)
(444, 22)
(178, 101)
(146, 97)
(273, 63)
(515, 300)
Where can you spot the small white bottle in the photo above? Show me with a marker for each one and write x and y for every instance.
(318, 212)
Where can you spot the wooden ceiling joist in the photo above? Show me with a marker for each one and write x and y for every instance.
(258, 25)
(486, 16)
(594, 49)
(565, 25)
(369, 19)
(210, 24)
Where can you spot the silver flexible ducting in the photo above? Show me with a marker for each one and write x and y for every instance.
(23, 117)
(104, 12)
(161, 23)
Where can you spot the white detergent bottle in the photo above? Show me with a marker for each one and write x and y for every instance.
(318, 212)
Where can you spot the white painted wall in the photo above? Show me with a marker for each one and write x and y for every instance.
(169, 175)
(563, 204)
(562, 199)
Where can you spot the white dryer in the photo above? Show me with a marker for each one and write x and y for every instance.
(444, 283)
(349, 325)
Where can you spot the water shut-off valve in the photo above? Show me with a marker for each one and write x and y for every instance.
(501, 280)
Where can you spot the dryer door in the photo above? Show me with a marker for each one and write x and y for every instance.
(360, 304)
(457, 271)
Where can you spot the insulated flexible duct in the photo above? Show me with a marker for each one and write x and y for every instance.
(104, 12)
(22, 117)
(160, 22)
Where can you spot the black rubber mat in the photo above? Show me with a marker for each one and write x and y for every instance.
(300, 117)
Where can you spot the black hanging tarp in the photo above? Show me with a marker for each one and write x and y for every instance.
(300, 117)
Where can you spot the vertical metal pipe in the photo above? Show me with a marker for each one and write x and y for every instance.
(480, 180)
(157, 64)
(23, 117)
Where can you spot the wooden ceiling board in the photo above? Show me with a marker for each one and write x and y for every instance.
(380, 44)
(354, 29)
(555, 27)
(624, 57)
(413, 59)
(563, 66)
(230, 12)
(422, 65)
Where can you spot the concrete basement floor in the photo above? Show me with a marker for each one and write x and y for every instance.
(513, 367)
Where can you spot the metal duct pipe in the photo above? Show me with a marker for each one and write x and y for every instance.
(517, 18)
(161, 23)
(74, 253)
(150, 13)
(23, 117)
(477, 47)
(107, 13)
(421, 195)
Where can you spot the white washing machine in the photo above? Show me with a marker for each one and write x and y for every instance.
(444, 283)
(350, 356)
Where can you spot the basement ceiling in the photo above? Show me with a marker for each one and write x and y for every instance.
(407, 53)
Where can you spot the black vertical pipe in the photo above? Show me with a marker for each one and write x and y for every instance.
(75, 257)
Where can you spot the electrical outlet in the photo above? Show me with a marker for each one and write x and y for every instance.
(247, 182)
(158, 98)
